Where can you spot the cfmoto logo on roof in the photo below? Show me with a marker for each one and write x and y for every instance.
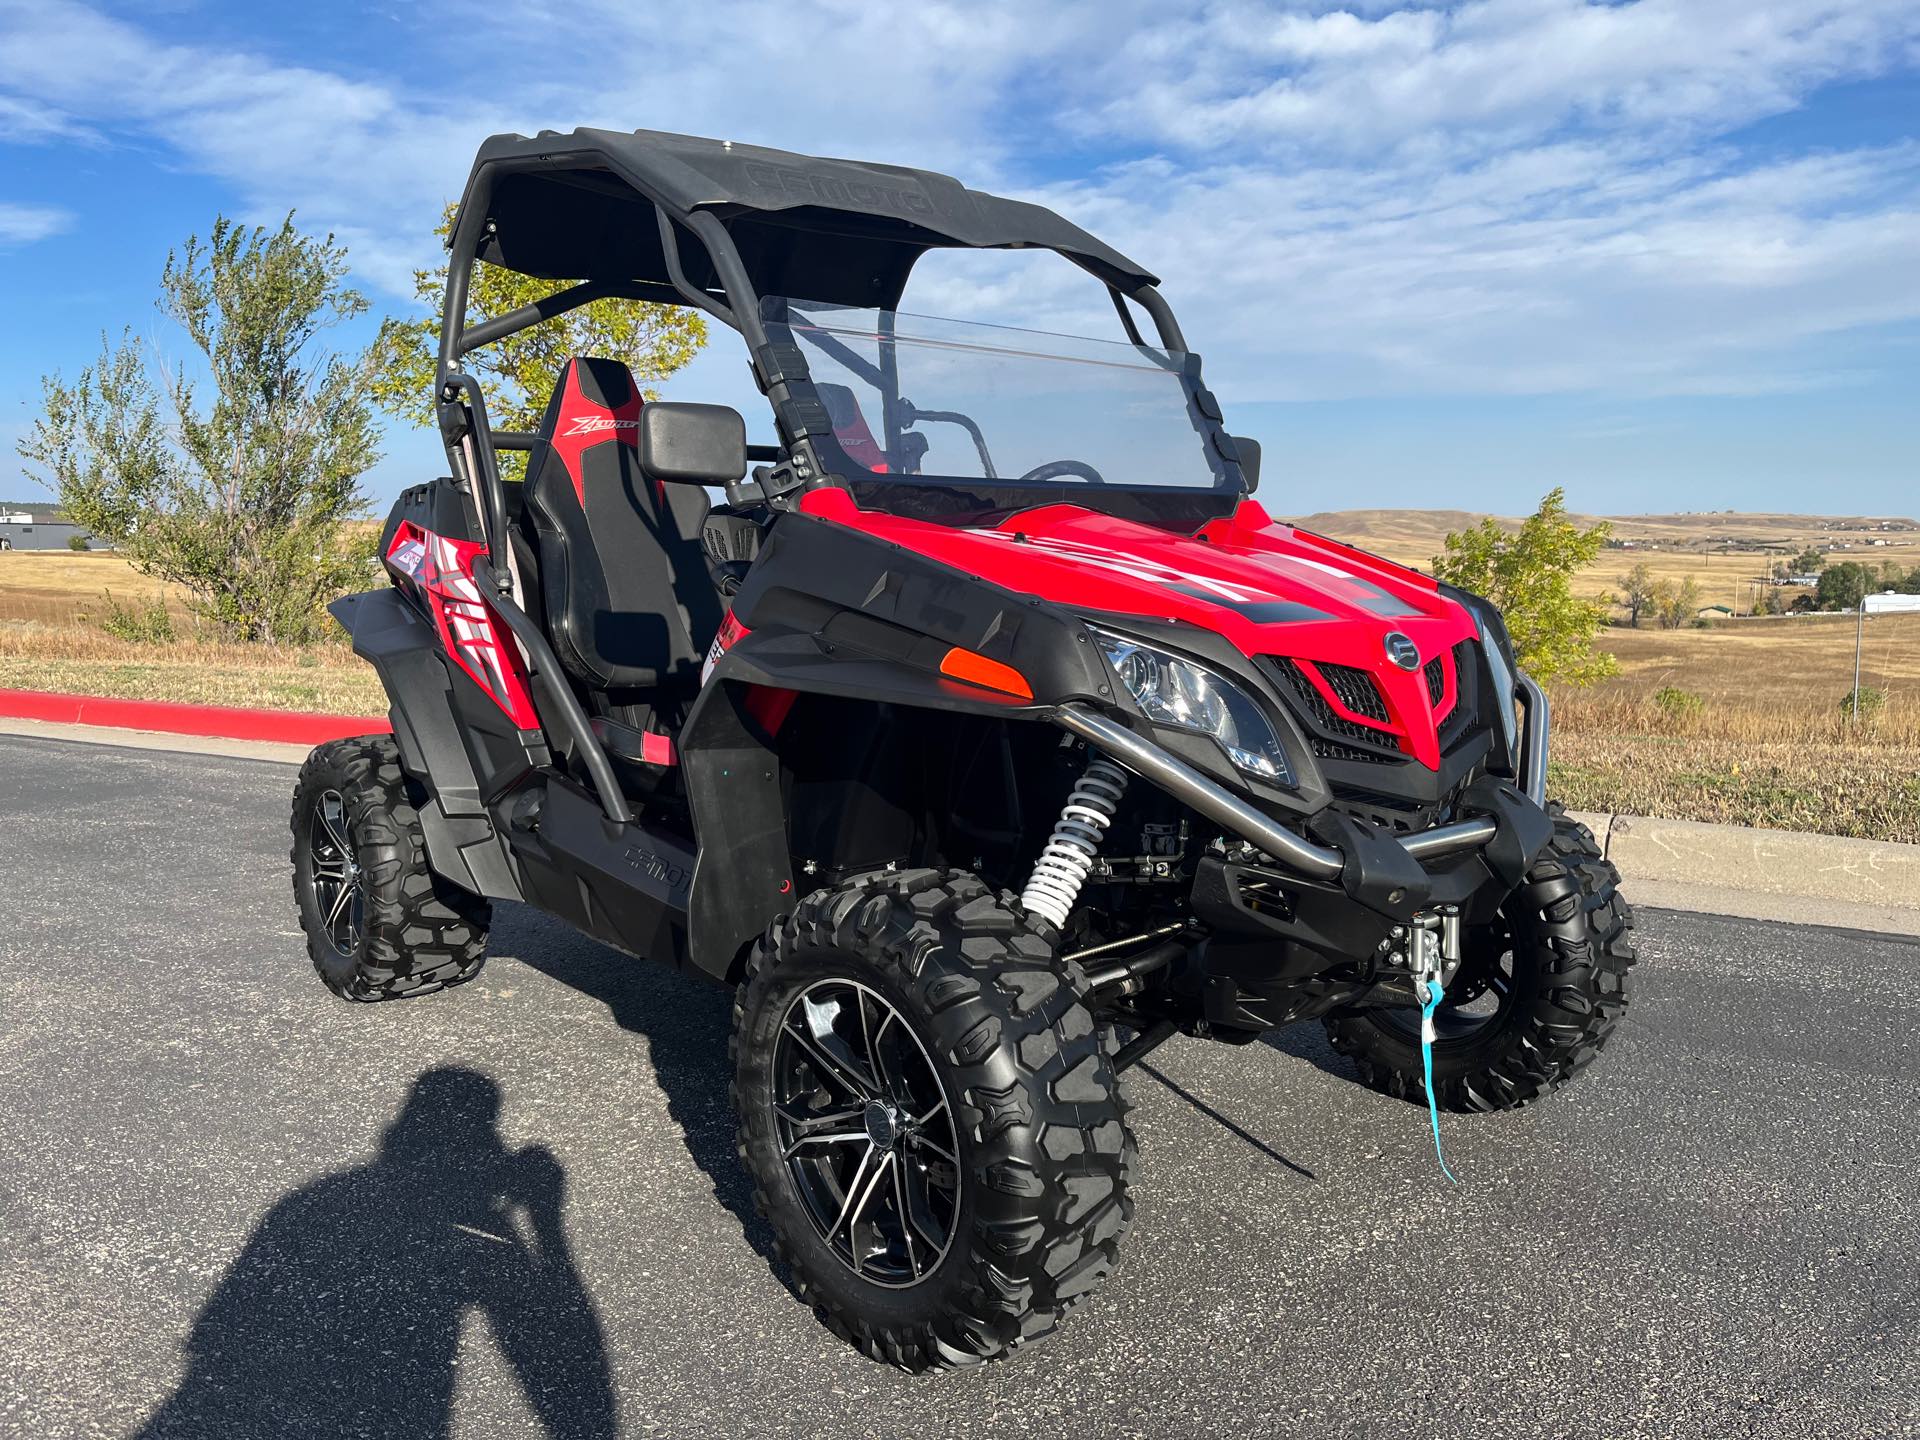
(831, 191)
(1402, 651)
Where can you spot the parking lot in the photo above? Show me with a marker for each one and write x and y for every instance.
(232, 1205)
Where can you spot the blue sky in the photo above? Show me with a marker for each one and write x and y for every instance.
(1666, 253)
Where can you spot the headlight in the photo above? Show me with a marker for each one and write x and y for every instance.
(1173, 691)
(1503, 697)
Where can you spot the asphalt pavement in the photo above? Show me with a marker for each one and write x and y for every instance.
(231, 1205)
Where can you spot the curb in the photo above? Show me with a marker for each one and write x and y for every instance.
(1784, 875)
(281, 727)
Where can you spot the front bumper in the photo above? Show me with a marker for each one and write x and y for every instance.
(1393, 875)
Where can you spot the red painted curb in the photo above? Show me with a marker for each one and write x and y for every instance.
(287, 727)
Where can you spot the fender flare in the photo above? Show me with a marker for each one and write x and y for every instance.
(743, 878)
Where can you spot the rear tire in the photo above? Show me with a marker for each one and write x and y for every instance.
(1564, 962)
(1030, 1219)
(380, 924)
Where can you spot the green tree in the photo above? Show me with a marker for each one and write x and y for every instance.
(1808, 562)
(1636, 592)
(1529, 575)
(520, 371)
(1676, 605)
(1843, 586)
(241, 500)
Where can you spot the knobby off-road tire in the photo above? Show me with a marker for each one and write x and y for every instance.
(408, 931)
(1039, 1202)
(1567, 989)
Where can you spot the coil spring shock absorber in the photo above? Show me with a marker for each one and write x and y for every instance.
(1069, 854)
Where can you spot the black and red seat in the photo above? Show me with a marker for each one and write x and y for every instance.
(624, 590)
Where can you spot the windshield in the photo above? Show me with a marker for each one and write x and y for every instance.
(929, 401)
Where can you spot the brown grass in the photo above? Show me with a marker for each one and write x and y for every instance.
(327, 678)
(66, 587)
(1725, 553)
(1769, 745)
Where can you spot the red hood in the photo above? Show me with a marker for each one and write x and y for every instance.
(1268, 588)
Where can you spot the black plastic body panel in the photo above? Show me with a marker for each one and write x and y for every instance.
(439, 506)
(625, 885)
(852, 597)
(743, 870)
(432, 726)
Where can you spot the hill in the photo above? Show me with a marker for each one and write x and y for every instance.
(1720, 546)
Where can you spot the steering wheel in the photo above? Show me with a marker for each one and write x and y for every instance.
(1053, 469)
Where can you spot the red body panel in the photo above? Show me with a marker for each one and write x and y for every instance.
(1268, 588)
(471, 633)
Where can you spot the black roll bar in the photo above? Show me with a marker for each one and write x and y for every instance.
(542, 661)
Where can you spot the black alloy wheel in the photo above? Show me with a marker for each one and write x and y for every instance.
(339, 897)
(867, 1132)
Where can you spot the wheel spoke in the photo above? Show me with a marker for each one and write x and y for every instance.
(852, 1189)
(914, 1211)
(814, 1122)
(338, 904)
(846, 1076)
(335, 828)
(889, 1086)
(838, 1137)
(916, 1139)
(906, 1223)
(853, 1224)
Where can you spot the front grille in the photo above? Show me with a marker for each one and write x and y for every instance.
(1465, 691)
(1334, 728)
(1333, 750)
(1436, 681)
(1356, 690)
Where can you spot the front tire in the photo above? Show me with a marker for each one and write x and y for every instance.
(1552, 982)
(978, 1248)
(380, 924)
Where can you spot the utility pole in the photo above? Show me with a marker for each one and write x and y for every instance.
(1859, 629)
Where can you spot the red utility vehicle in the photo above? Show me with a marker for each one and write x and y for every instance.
(986, 735)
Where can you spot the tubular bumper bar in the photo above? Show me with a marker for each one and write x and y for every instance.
(1533, 738)
(1322, 862)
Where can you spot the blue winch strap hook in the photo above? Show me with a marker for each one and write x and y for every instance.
(1431, 991)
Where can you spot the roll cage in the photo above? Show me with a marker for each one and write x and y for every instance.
(611, 211)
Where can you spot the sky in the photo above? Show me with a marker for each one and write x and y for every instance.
(1665, 253)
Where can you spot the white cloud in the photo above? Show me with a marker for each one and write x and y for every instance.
(23, 224)
(1484, 72)
(1504, 196)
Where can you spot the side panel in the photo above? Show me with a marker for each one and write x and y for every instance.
(406, 651)
(742, 874)
(440, 569)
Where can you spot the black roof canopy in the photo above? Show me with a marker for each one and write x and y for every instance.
(584, 206)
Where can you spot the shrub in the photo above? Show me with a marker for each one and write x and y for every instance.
(1871, 702)
(1677, 704)
(76, 542)
(146, 621)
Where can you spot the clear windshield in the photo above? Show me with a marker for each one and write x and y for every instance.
(948, 400)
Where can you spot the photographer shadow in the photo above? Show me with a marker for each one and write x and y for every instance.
(687, 1024)
(342, 1315)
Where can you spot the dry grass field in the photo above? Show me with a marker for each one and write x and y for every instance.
(50, 640)
(1725, 553)
(1767, 745)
